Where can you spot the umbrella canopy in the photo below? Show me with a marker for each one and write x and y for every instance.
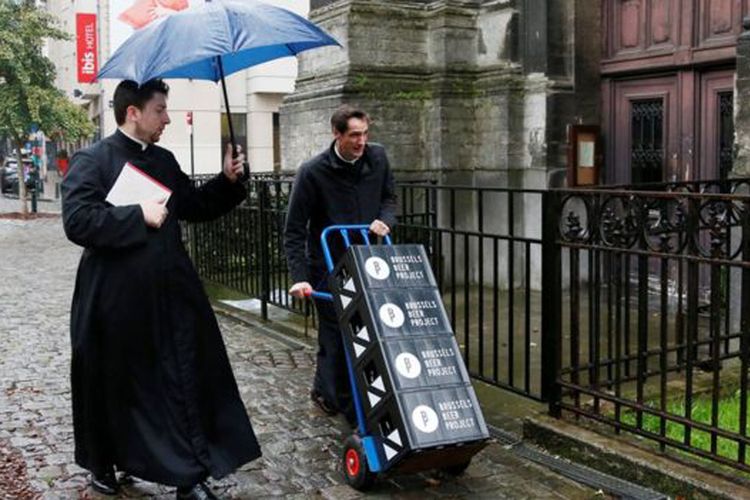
(213, 40)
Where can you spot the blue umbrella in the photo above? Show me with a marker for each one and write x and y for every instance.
(211, 41)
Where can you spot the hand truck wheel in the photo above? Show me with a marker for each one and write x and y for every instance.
(358, 475)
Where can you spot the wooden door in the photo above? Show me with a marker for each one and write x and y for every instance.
(645, 131)
(715, 124)
(676, 57)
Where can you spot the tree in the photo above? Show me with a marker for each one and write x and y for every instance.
(28, 97)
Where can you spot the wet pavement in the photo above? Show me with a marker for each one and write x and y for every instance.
(301, 445)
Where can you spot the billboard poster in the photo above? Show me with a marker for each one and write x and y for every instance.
(87, 50)
(127, 16)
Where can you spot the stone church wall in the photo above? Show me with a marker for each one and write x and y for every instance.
(461, 92)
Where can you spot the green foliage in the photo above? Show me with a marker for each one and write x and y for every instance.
(700, 411)
(413, 95)
(388, 89)
(27, 92)
(361, 81)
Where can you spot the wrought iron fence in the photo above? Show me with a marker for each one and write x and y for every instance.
(485, 264)
(244, 249)
(630, 308)
(652, 333)
(485, 246)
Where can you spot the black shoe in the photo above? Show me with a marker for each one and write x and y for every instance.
(200, 491)
(321, 403)
(124, 479)
(105, 483)
(351, 419)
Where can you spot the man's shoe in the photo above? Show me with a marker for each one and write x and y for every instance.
(200, 491)
(105, 483)
(123, 479)
(351, 419)
(321, 403)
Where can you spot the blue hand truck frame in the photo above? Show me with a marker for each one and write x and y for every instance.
(361, 459)
(368, 442)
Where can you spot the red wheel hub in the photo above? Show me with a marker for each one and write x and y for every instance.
(352, 462)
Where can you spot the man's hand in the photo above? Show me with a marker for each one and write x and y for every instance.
(233, 167)
(301, 290)
(154, 212)
(379, 227)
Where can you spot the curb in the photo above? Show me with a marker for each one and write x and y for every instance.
(611, 485)
(280, 333)
(626, 461)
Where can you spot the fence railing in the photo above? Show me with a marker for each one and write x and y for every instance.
(652, 333)
(630, 308)
(485, 263)
(244, 249)
(486, 256)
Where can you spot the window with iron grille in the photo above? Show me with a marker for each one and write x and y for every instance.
(726, 133)
(647, 141)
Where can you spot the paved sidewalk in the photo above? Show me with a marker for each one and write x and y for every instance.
(301, 446)
(11, 204)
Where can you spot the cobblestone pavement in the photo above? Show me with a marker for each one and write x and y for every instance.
(301, 445)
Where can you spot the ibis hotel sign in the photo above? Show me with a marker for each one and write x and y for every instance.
(87, 53)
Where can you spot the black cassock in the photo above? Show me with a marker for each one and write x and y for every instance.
(153, 391)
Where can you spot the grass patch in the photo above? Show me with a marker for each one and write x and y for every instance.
(700, 411)
(215, 291)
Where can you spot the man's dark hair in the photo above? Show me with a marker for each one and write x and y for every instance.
(129, 93)
(340, 117)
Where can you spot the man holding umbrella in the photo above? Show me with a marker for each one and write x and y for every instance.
(153, 392)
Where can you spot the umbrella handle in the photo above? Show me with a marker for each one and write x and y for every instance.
(245, 166)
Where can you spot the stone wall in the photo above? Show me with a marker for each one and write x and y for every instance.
(436, 77)
(462, 92)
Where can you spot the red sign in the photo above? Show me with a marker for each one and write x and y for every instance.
(86, 36)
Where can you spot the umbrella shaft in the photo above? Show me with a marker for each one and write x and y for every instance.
(226, 106)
